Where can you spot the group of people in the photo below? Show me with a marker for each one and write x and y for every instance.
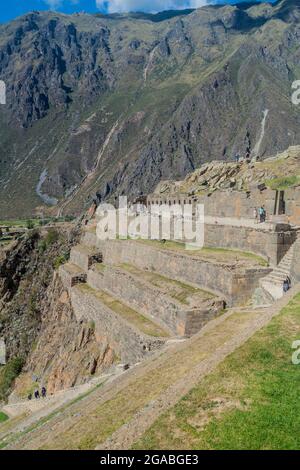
(37, 394)
(260, 214)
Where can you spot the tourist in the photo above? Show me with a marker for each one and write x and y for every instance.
(29, 396)
(44, 392)
(255, 215)
(285, 285)
(261, 214)
(36, 394)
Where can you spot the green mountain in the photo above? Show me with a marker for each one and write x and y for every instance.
(113, 104)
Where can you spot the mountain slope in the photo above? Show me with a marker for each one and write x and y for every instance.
(111, 105)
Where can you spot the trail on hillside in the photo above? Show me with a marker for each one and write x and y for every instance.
(90, 175)
(256, 149)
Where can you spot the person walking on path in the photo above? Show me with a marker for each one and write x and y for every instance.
(255, 215)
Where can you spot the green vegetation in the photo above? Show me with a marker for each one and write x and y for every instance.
(4, 441)
(250, 402)
(29, 224)
(8, 374)
(61, 259)
(283, 182)
(34, 222)
(3, 417)
(96, 425)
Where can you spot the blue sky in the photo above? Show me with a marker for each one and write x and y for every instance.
(13, 8)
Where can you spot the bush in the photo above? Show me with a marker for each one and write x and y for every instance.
(60, 260)
(29, 224)
(51, 237)
(8, 374)
(3, 417)
(283, 182)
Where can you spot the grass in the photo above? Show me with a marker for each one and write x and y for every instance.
(100, 422)
(218, 254)
(3, 417)
(283, 182)
(141, 322)
(250, 402)
(176, 289)
(8, 439)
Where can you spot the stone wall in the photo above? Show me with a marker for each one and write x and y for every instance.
(238, 204)
(270, 244)
(221, 279)
(295, 270)
(292, 198)
(151, 301)
(127, 342)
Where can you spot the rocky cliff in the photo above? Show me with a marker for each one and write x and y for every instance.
(37, 322)
(113, 104)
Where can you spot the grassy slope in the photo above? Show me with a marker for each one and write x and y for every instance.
(250, 402)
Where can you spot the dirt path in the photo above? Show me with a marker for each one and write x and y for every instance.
(128, 434)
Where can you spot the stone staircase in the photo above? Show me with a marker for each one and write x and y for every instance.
(272, 284)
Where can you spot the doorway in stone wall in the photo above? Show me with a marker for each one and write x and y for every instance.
(279, 208)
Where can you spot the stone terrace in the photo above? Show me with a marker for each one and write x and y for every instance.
(231, 275)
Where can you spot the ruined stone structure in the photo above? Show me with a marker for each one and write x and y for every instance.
(133, 294)
(230, 223)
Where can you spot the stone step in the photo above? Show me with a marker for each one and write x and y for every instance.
(277, 282)
(71, 274)
(84, 256)
(89, 238)
(281, 272)
(284, 266)
(179, 307)
(276, 291)
(132, 335)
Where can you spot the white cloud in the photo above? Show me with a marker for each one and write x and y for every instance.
(57, 3)
(151, 6)
(53, 3)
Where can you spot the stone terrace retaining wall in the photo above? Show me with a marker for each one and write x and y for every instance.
(129, 344)
(236, 285)
(272, 245)
(144, 297)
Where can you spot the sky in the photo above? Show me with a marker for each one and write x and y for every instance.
(14, 8)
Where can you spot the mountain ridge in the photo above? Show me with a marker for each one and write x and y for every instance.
(96, 106)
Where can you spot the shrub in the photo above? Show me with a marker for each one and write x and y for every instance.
(29, 224)
(51, 237)
(8, 374)
(61, 259)
(3, 417)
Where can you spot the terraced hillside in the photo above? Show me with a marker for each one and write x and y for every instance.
(105, 418)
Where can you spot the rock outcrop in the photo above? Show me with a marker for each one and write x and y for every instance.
(96, 105)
